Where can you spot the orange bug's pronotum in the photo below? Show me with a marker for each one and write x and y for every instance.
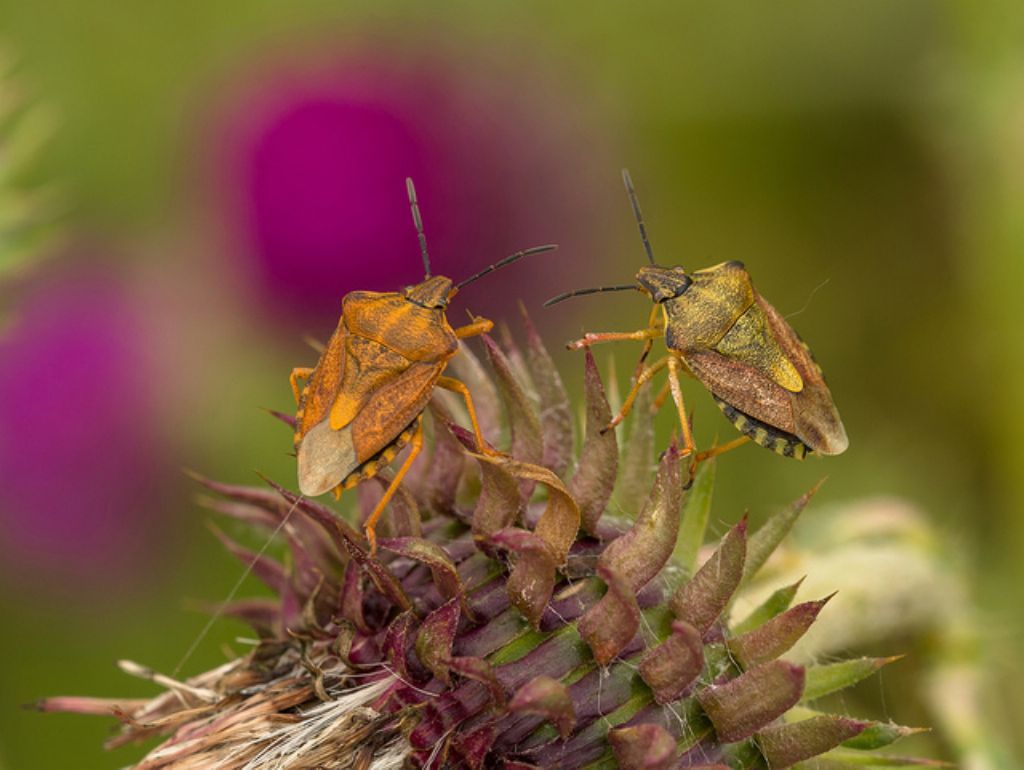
(720, 330)
(364, 400)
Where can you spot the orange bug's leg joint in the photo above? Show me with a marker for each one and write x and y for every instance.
(721, 449)
(640, 381)
(593, 339)
(677, 396)
(371, 523)
(479, 326)
(298, 373)
(450, 383)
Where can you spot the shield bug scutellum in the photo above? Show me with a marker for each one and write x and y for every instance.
(364, 400)
(721, 331)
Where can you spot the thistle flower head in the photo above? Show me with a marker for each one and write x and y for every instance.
(509, 620)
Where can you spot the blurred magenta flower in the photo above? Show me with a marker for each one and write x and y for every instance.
(316, 166)
(78, 442)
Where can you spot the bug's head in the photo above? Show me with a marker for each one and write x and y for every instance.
(433, 292)
(662, 283)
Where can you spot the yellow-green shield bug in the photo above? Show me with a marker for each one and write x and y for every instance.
(720, 330)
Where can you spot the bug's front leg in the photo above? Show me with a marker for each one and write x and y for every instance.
(593, 338)
(298, 373)
(652, 323)
(478, 326)
(371, 523)
(456, 386)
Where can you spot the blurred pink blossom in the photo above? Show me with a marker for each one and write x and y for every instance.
(79, 449)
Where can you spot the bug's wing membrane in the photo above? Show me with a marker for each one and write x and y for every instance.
(392, 407)
(817, 420)
(325, 457)
(744, 387)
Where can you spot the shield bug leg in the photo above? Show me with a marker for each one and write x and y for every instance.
(659, 400)
(454, 385)
(721, 449)
(677, 396)
(477, 327)
(371, 522)
(299, 373)
(644, 377)
(593, 338)
(652, 323)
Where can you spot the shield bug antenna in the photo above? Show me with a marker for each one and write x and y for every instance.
(579, 292)
(418, 221)
(628, 181)
(506, 261)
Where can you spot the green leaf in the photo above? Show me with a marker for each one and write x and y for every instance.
(778, 602)
(843, 758)
(881, 734)
(832, 677)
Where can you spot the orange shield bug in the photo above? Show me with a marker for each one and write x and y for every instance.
(364, 400)
(718, 329)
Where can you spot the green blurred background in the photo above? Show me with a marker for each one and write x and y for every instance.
(865, 160)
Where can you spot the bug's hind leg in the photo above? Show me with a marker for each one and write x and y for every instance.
(371, 522)
(659, 400)
(721, 449)
(298, 373)
(456, 386)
